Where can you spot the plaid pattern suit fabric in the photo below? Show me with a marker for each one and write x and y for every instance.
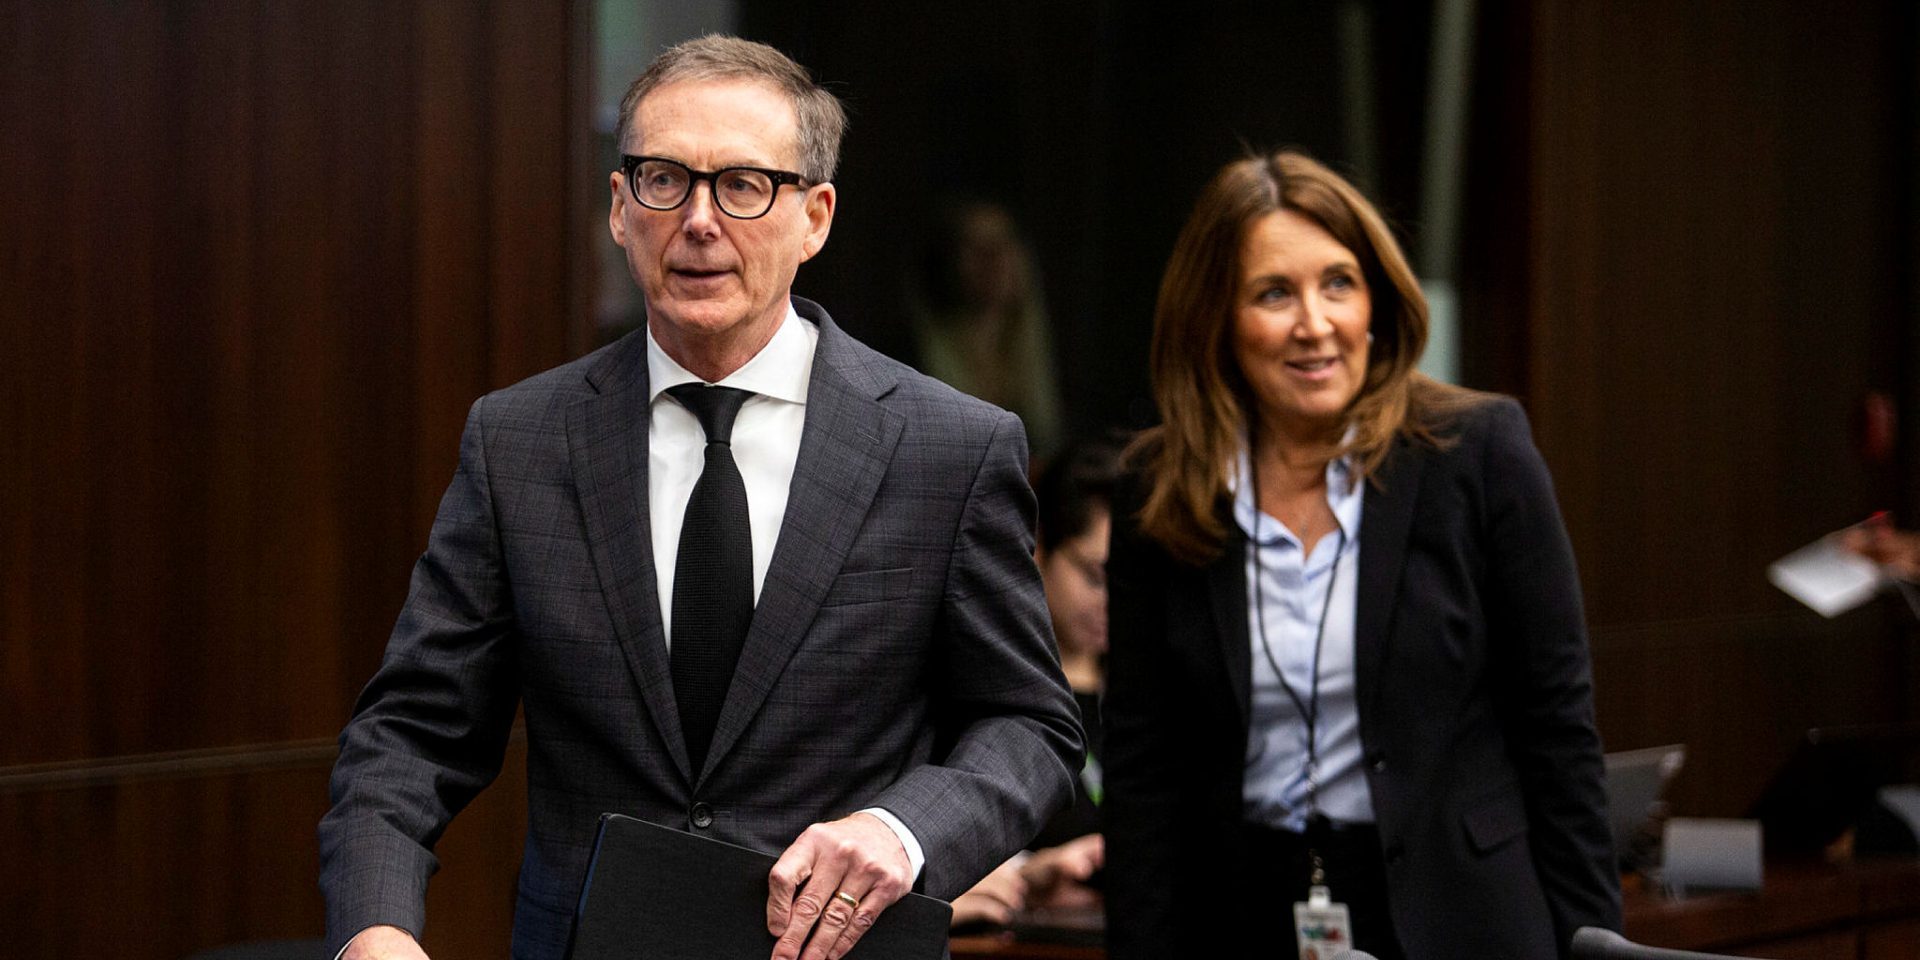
(900, 655)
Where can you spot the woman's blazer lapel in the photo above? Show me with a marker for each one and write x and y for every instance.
(1386, 521)
(1227, 589)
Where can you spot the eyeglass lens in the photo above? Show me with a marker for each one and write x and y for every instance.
(663, 185)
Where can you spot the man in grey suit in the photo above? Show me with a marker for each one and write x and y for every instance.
(746, 576)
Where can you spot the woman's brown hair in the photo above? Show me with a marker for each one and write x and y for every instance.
(1202, 395)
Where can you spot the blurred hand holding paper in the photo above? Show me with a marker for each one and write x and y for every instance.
(1827, 577)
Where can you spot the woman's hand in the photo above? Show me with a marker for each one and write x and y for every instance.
(995, 899)
(1057, 876)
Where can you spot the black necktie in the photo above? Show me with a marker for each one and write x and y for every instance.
(713, 573)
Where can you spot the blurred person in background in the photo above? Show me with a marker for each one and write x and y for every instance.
(1348, 649)
(1075, 495)
(980, 318)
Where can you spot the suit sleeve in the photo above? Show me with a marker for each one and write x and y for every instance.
(1538, 632)
(1142, 804)
(430, 729)
(1009, 729)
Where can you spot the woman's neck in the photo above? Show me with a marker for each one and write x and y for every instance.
(1296, 440)
(1290, 480)
(1287, 465)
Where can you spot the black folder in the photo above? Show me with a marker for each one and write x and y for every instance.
(656, 893)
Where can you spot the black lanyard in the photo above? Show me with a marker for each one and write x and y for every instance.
(1310, 707)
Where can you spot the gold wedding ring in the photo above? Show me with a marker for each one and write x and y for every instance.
(852, 902)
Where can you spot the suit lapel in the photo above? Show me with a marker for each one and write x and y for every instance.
(845, 447)
(607, 439)
(1386, 520)
(1227, 589)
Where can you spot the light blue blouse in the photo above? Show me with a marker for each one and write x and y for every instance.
(1296, 587)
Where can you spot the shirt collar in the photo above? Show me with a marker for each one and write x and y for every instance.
(781, 370)
(1344, 494)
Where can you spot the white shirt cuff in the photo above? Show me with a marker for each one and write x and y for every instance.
(916, 858)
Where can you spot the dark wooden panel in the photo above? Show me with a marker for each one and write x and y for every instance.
(527, 178)
(1710, 301)
(261, 257)
(1717, 258)
(1801, 906)
(1741, 694)
(274, 252)
(156, 858)
(1833, 945)
(1891, 941)
(1792, 903)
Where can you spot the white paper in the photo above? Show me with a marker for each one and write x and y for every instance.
(1713, 853)
(1827, 577)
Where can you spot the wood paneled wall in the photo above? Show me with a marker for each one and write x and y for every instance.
(1703, 249)
(260, 257)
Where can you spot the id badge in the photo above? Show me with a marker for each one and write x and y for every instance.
(1321, 927)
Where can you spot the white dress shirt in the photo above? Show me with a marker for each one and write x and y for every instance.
(766, 445)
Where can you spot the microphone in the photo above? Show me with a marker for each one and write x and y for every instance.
(1595, 943)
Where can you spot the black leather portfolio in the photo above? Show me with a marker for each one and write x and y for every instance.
(656, 893)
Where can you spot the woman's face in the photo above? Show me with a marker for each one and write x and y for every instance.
(988, 263)
(1300, 318)
(1075, 575)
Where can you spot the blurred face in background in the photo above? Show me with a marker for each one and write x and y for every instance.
(1300, 319)
(1075, 575)
(987, 259)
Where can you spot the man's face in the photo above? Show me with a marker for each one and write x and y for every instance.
(708, 276)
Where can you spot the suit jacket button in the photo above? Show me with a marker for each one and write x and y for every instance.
(1395, 850)
(1379, 763)
(702, 815)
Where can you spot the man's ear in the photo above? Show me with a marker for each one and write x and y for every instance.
(821, 201)
(616, 223)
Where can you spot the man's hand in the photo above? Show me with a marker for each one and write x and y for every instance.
(838, 875)
(383, 943)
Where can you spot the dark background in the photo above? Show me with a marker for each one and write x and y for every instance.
(1095, 124)
(259, 258)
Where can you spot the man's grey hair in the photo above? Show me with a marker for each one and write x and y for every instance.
(822, 121)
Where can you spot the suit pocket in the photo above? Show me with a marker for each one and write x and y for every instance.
(1494, 822)
(868, 586)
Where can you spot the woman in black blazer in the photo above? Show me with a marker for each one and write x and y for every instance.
(1376, 682)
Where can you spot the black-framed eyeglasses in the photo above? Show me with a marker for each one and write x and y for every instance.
(743, 193)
